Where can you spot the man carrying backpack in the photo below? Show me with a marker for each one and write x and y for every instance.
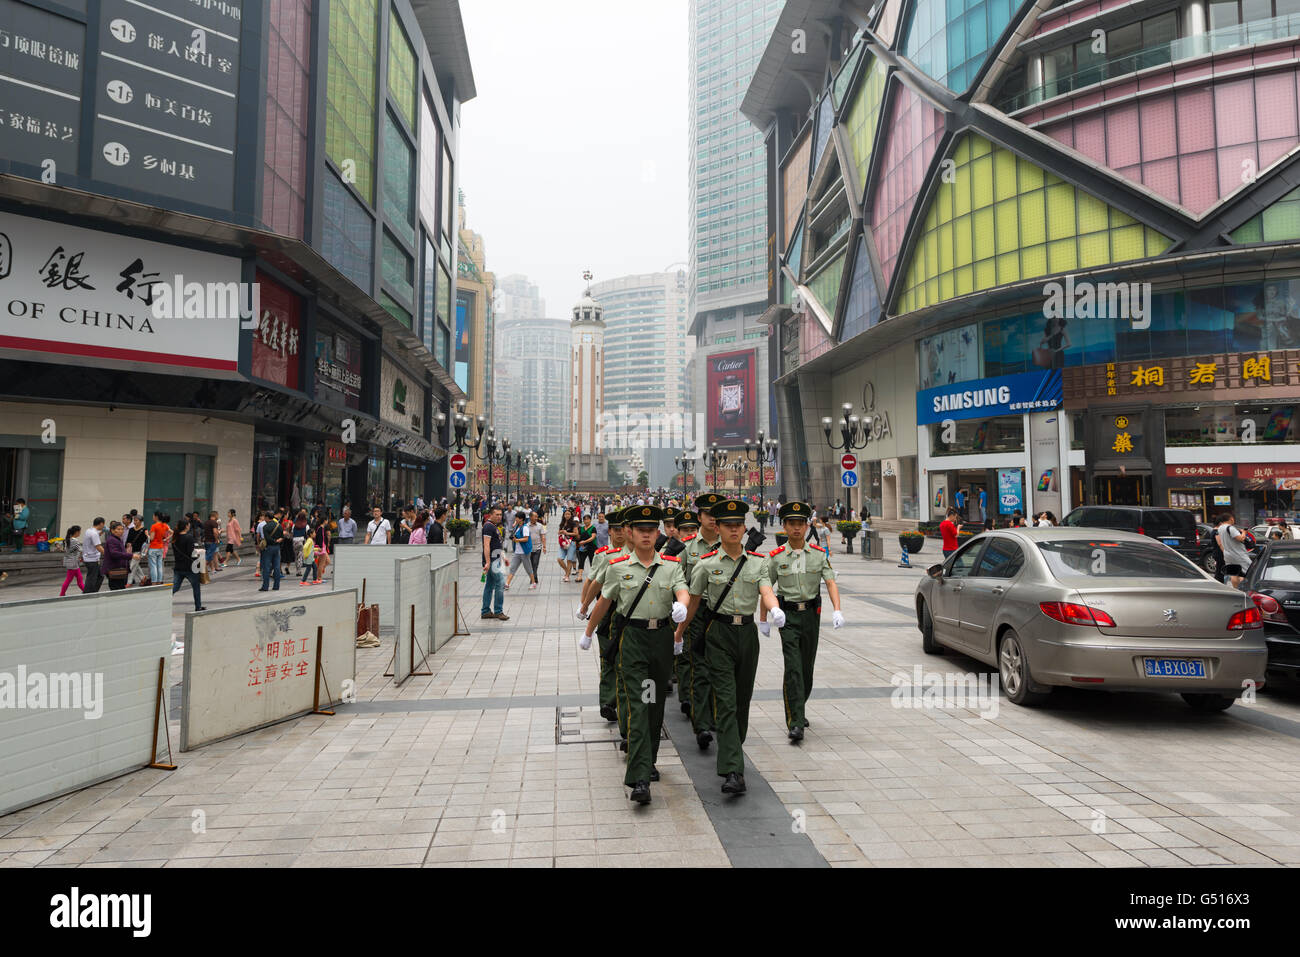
(272, 538)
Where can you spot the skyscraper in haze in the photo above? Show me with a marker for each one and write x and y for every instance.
(728, 219)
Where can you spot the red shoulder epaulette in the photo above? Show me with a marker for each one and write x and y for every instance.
(710, 554)
(776, 551)
(818, 547)
(605, 549)
(688, 538)
(669, 558)
(621, 558)
(758, 554)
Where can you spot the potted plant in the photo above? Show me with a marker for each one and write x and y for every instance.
(762, 514)
(457, 528)
(912, 541)
(849, 530)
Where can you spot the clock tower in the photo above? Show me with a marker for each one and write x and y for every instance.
(587, 352)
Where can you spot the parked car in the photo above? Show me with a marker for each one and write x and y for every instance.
(1272, 531)
(1114, 612)
(1175, 527)
(1273, 584)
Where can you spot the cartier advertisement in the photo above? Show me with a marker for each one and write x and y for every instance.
(731, 396)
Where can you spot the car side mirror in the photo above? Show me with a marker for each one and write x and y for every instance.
(935, 571)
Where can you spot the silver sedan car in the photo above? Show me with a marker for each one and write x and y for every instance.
(1088, 608)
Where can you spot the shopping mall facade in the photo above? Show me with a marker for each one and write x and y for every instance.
(159, 163)
(1050, 254)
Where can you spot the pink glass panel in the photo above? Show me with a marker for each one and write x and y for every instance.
(1275, 100)
(1198, 181)
(1195, 131)
(911, 138)
(1234, 112)
(284, 183)
(1159, 136)
(1122, 143)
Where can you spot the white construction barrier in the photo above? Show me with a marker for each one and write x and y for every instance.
(413, 609)
(254, 665)
(373, 565)
(79, 690)
(444, 603)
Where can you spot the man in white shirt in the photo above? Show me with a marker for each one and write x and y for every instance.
(379, 529)
(1236, 555)
(92, 549)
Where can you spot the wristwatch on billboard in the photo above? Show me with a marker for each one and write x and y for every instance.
(731, 399)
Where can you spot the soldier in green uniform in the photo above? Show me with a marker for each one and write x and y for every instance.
(796, 570)
(685, 526)
(730, 582)
(649, 591)
(696, 690)
(591, 592)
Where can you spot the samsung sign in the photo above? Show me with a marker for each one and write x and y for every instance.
(985, 398)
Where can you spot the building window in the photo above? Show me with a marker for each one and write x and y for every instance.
(350, 91)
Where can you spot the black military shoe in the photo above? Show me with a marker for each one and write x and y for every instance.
(704, 739)
(686, 707)
(622, 745)
(608, 713)
(796, 734)
(734, 784)
(654, 774)
(641, 793)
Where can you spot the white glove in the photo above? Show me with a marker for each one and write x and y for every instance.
(764, 628)
(679, 612)
(677, 647)
(585, 642)
(777, 617)
(581, 615)
(837, 619)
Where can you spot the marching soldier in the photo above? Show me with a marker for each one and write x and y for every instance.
(591, 592)
(796, 571)
(686, 525)
(729, 583)
(649, 592)
(696, 692)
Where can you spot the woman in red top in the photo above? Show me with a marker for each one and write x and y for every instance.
(948, 529)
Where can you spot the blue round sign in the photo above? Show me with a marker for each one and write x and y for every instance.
(849, 479)
(457, 479)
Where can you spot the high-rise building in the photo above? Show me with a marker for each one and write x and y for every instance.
(586, 463)
(475, 319)
(646, 351)
(532, 385)
(517, 298)
(728, 219)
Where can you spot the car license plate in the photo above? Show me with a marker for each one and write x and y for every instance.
(1174, 667)
(1171, 542)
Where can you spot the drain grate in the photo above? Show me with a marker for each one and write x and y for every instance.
(579, 724)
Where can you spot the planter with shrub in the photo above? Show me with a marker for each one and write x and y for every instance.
(912, 541)
(457, 528)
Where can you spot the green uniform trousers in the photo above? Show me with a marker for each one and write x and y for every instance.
(645, 660)
(693, 680)
(799, 647)
(608, 672)
(732, 659)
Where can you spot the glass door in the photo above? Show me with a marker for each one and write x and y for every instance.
(164, 484)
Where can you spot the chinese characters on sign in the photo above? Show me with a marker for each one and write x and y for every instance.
(1110, 379)
(279, 660)
(41, 76)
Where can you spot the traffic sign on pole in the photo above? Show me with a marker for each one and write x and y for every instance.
(848, 462)
(457, 480)
(457, 462)
(849, 479)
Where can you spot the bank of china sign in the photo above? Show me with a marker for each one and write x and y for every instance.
(117, 301)
(985, 398)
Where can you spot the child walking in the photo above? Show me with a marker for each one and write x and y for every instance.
(72, 560)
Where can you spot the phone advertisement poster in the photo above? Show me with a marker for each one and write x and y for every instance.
(1011, 491)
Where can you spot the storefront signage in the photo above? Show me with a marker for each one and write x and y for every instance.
(1270, 471)
(41, 73)
(403, 400)
(336, 454)
(88, 294)
(1198, 471)
(985, 398)
(1192, 376)
(338, 366)
(277, 338)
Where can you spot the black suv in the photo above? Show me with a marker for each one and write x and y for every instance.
(1176, 527)
(1273, 584)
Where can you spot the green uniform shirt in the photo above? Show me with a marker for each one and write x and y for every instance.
(601, 561)
(696, 548)
(624, 577)
(797, 575)
(710, 576)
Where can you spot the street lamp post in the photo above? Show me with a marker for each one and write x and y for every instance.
(461, 424)
(853, 436)
(685, 465)
(764, 453)
(489, 452)
(714, 458)
(740, 466)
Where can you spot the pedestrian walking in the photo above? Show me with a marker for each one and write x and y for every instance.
(379, 529)
(695, 689)
(796, 571)
(272, 537)
(137, 543)
(608, 692)
(568, 529)
(537, 528)
(116, 562)
(185, 556)
(92, 553)
(948, 532)
(493, 571)
(347, 527)
(234, 538)
(72, 560)
(418, 534)
(1236, 555)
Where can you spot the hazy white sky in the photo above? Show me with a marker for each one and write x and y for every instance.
(573, 155)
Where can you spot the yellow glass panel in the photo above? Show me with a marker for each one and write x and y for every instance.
(1120, 218)
(983, 226)
(1008, 228)
(1060, 211)
(1033, 219)
(961, 193)
(1051, 179)
(1062, 255)
(931, 262)
(1126, 243)
(945, 247)
(965, 281)
(947, 287)
(961, 155)
(1031, 176)
(1004, 174)
(964, 252)
(1092, 212)
(982, 181)
(980, 146)
(1009, 267)
(1033, 262)
(1157, 242)
(942, 208)
(1094, 250)
(985, 274)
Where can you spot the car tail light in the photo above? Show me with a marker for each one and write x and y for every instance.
(1268, 606)
(1246, 619)
(1070, 613)
(1196, 536)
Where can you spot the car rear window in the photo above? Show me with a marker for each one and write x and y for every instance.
(1283, 567)
(1103, 559)
(1166, 522)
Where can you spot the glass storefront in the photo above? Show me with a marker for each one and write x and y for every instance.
(976, 436)
(405, 481)
(1244, 423)
(31, 474)
(375, 479)
(267, 456)
(176, 483)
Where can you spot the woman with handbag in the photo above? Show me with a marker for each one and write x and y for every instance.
(117, 559)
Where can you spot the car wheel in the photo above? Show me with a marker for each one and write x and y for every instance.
(1210, 563)
(1013, 669)
(1206, 703)
(928, 643)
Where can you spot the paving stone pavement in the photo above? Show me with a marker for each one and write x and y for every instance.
(498, 758)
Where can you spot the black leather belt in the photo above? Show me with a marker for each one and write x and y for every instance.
(734, 619)
(650, 624)
(787, 604)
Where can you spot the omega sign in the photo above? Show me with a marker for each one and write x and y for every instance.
(875, 424)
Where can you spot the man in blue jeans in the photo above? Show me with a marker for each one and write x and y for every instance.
(272, 535)
(494, 580)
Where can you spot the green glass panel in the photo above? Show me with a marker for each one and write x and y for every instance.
(394, 310)
(825, 286)
(401, 70)
(864, 116)
(399, 181)
(350, 92)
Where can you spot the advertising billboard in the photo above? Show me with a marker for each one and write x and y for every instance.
(731, 393)
(276, 340)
